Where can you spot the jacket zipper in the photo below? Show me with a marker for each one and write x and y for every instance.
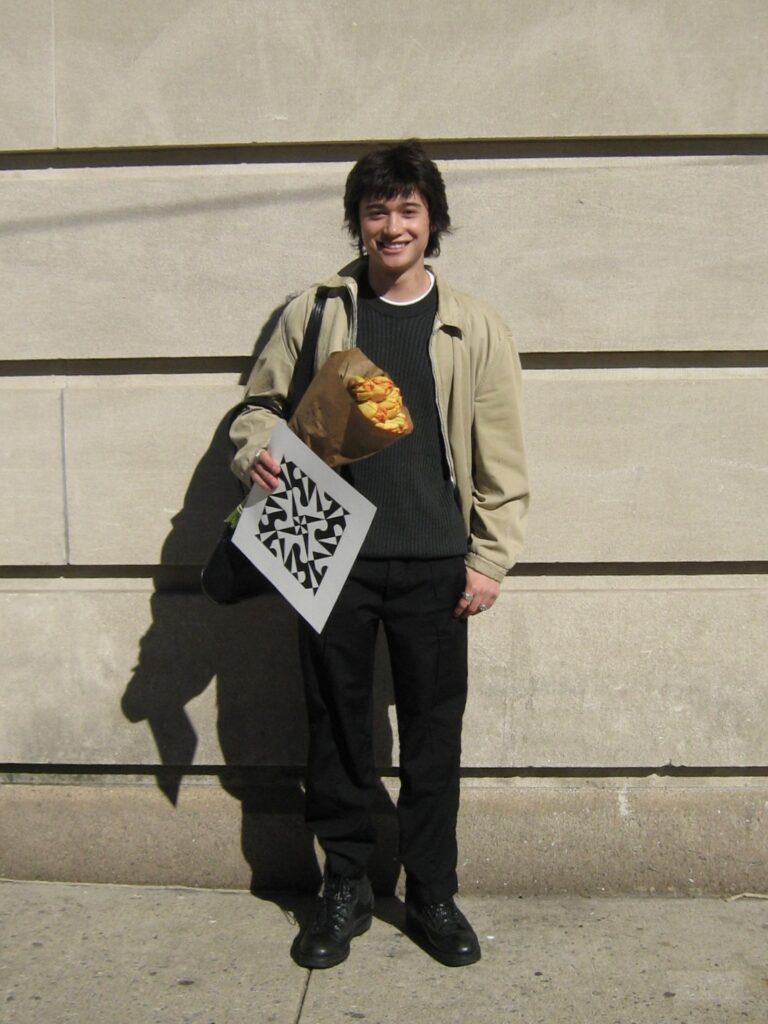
(443, 429)
(352, 334)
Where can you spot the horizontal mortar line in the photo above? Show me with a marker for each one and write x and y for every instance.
(687, 568)
(100, 571)
(639, 772)
(124, 366)
(260, 774)
(345, 152)
(240, 364)
(185, 578)
(616, 360)
(270, 773)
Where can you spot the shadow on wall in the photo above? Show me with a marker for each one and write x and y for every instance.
(249, 652)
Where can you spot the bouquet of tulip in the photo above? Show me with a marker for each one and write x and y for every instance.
(351, 410)
(380, 401)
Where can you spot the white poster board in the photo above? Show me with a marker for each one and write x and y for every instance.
(306, 534)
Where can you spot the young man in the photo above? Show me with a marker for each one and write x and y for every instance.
(451, 501)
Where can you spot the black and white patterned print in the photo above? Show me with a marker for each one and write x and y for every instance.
(302, 526)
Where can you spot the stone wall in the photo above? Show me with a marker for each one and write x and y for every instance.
(169, 174)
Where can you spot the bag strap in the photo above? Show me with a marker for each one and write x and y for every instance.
(303, 371)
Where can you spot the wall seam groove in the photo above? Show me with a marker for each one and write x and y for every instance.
(27, 773)
(660, 359)
(64, 478)
(54, 93)
(145, 571)
(308, 152)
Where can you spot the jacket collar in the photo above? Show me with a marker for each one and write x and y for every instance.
(448, 309)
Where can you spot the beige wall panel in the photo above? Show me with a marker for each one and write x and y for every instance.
(624, 467)
(124, 677)
(148, 471)
(633, 671)
(577, 255)
(32, 526)
(159, 262)
(615, 254)
(600, 672)
(27, 117)
(647, 465)
(178, 73)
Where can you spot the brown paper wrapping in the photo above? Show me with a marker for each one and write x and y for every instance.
(328, 420)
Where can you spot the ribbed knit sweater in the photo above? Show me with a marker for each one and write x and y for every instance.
(417, 512)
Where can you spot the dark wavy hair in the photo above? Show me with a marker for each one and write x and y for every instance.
(397, 170)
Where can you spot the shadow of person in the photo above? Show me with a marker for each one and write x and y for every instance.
(249, 652)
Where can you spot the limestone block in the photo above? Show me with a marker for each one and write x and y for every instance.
(122, 676)
(652, 834)
(148, 476)
(159, 262)
(633, 672)
(27, 118)
(577, 255)
(620, 671)
(32, 528)
(517, 837)
(647, 466)
(145, 74)
(615, 254)
(625, 466)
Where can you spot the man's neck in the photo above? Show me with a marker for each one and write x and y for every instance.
(412, 284)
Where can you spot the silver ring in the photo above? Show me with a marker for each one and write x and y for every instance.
(467, 596)
(482, 607)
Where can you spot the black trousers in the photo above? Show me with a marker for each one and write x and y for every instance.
(414, 600)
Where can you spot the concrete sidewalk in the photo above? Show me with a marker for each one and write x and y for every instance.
(87, 954)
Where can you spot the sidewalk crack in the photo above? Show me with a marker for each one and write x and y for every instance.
(302, 997)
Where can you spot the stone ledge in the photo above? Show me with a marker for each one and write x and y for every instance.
(516, 838)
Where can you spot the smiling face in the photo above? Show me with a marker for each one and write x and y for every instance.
(395, 233)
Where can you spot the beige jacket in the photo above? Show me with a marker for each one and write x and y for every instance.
(477, 384)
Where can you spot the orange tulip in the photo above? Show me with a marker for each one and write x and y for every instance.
(379, 400)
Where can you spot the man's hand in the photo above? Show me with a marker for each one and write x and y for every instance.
(480, 593)
(264, 470)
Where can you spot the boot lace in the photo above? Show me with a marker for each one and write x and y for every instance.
(336, 902)
(445, 914)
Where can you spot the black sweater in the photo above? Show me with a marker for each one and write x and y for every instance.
(417, 512)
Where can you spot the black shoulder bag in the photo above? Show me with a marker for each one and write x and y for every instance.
(228, 577)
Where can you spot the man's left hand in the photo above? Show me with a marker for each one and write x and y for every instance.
(480, 593)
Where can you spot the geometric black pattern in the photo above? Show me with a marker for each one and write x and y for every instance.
(302, 526)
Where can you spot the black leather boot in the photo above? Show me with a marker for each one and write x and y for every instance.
(442, 930)
(344, 910)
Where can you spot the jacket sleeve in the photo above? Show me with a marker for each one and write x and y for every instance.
(499, 469)
(269, 386)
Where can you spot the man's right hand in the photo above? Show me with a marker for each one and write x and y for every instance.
(264, 470)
